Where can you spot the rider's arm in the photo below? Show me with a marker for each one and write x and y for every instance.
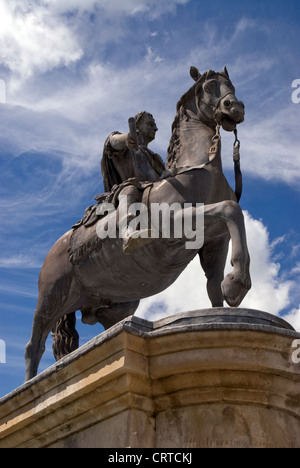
(120, 141)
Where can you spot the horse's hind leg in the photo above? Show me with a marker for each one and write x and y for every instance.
(36, 346)
(59, 295)
(41, 327)
(213, 257)
(46, 316)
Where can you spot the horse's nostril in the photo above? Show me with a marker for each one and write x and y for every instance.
(227, 103)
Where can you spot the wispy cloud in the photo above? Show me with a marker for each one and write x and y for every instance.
(152, 56)
(271, 145)
(14, 289)
(296, 269)
(117, 7)
(20, 261)
(36, 37)
(32, 40)
(76, 113)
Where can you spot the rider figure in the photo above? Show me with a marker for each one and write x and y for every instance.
(127, 156)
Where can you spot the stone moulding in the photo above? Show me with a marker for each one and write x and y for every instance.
(207, 378)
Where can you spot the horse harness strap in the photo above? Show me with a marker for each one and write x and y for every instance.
(213, 150)
(236, 159)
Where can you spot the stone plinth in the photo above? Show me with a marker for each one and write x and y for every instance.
(208, 378)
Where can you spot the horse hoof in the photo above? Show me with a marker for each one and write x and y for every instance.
(234, 289)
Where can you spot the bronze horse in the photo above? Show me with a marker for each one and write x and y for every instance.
(106, 285)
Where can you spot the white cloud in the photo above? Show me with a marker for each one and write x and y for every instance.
(269, 292)
(104, 99)
(296, 269)
(77, 116)
(246, 23)
(277, 241)
(36, 37)
(294, 318)
(271, 144)
(187, 293)
(33, 40)
(116, 7)
(152, 56)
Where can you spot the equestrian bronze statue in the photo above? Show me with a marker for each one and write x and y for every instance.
(98, 276)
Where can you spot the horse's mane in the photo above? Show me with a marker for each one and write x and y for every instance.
(173, 153)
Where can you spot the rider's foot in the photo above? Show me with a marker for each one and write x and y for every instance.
(134, 240)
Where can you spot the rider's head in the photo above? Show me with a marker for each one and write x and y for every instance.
(146, 126)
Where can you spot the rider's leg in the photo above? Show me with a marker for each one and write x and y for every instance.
(132, 237)
(128, 197)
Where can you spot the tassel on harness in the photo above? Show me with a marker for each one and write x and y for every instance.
(236, 159)
(237, 167)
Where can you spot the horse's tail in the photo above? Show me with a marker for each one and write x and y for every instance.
(65, 336)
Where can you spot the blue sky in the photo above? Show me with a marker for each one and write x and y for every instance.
(75, 70)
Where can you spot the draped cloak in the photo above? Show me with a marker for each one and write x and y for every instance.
(119, 166)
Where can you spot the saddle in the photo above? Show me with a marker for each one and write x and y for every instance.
(84, 238)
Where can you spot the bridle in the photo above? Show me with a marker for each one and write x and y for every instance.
(215, 107)
(215, 146)
(216, 140)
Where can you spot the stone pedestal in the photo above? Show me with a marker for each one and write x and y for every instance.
(208, 378)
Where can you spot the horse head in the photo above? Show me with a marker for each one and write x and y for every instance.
(215, 99)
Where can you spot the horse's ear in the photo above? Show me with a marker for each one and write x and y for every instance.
(225, 71)
(195, 74)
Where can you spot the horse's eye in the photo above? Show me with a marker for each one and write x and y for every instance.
(210, 86)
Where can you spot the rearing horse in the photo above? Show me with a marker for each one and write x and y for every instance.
(107, 285)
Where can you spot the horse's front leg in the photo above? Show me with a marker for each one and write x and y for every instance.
(237, 283)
